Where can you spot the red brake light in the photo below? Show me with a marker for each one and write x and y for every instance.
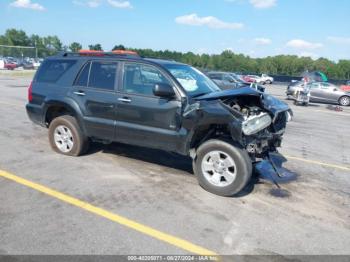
(30, 94)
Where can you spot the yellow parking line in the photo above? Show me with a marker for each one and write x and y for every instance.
(175, 241)
(318, 163)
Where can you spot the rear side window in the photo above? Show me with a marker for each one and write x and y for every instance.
(103, 75)
(52, 70)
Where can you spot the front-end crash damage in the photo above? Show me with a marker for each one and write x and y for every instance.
(254, 120)
(262, 124)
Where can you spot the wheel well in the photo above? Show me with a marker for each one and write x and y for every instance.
(209, 132)
(56, 111)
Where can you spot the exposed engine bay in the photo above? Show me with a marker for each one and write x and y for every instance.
(240, 105)
(259, 118)
(262, 130)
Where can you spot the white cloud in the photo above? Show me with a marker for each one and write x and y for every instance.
(263, 3)
(91, 3)
(339, 40)
(302, 44)
(27, 4)
(97, 3)
(262, 41)
(209, 21)
(120, 4)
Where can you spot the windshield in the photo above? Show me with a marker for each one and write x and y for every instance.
(192, 80)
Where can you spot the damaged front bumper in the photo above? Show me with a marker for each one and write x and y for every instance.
(266, 141)
(260, 145)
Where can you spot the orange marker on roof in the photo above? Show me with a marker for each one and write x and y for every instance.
(91, 52)
(124, 52)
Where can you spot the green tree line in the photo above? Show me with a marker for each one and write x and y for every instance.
(288, 65)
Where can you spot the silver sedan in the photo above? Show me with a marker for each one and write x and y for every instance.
(322, 92)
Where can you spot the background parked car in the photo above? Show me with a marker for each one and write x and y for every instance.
(2, 63)
(293, 87)
(266, 79)
(37, 63)
(345, 87)
(9, 65)
(226, 80)
(251, 78)
(27, 65)
(322, 92)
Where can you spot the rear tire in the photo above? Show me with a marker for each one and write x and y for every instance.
(66, 137)
(222, 168)
(344, 101)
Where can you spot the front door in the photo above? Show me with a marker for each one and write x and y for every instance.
(315, 92)
(330, 93)
(95, 92)
(142, 118)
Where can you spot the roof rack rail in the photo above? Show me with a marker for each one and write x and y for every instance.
(125, 53)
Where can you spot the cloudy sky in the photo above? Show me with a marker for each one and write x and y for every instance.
(257, 28)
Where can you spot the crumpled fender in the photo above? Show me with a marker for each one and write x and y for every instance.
(204, 114)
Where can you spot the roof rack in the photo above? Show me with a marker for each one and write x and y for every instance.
(124, 53)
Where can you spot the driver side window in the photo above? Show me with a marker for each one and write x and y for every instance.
(141, 78)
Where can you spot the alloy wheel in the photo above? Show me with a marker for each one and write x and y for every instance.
(219, 168)
(63, 138)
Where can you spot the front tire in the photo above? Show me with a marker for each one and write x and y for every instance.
(222, 168)
(66, 137)
(344, 101)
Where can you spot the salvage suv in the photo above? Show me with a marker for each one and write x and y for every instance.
(122, 97)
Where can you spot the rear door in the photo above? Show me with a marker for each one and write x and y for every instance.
(330, 93)
(95, 92)
(142, 118)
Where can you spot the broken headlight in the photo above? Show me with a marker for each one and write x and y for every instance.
(256, 123)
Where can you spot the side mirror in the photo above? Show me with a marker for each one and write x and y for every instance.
(335, 89)
(163, 90)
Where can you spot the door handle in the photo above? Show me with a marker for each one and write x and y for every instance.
(79, 93)
(124, 99)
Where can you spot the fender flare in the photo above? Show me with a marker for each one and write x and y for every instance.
(68, 103)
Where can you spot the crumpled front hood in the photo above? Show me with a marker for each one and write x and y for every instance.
(273, 104)
(270, 103)
(229, 93)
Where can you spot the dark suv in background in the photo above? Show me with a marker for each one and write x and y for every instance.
(227, 80)
(107, 97)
